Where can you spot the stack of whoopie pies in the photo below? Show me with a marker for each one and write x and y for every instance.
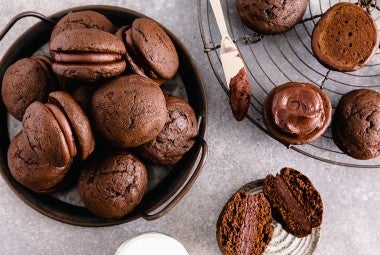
(344, 39)
(95, 106)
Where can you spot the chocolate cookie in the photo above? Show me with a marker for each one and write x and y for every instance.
(32, 170)
(150, 51)
(58, 130)
(345, 38)
(244, 225)
(83, 94)
(129, 111)
(296, 113)
(87, 54)
(271, 17)
(78, 120)
(53, 135)
(295, 203)
(49, 134)
(112, 185)
(83, 19)
(26, 81)
(47, 64)
(356, 124)
(177, 137)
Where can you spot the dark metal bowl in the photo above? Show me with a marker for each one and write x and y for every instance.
(170, 190)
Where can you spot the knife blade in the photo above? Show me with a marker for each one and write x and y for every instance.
(233, 67)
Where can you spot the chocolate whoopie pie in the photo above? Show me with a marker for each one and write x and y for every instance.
(83, 19)
(26, 81)
(296, 113)
(53, 135)
(150, 51)
(295, 202)
(79, 122)
(112, 185)
(356, 124)
(345, 38)
(87, 55)
(48, 133)
(30, 169)
(271, 16)
(244, 225)
(177, 137)
(129, 111)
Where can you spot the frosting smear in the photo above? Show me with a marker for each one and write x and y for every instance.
(298, 111)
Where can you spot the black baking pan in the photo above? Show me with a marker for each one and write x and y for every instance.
(157, 201)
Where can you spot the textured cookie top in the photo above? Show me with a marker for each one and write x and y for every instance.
(345, 38)
(86, 41)
(112, 185)
(45, 135)
(156, 47)
(356, 124)
(31, 170)
(244, 225)
(296, 113)
(271, 17)
(132, 56)
(178, 135)
(135, 60)
(129, 110)
(23, 83)
(83, 19)
(296, 204)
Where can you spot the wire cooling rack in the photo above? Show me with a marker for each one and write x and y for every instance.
(274, 60)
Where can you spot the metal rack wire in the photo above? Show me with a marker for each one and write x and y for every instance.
(274, 60)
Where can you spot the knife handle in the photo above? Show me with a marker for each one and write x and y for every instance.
(218, 13)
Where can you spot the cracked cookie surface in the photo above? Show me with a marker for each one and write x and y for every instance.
(113, 185)
(177, 137)
(24, 82)
(156, 47)
(32, 170)
(83, 19)
(356, 124)
(129, 111)
(271, 16)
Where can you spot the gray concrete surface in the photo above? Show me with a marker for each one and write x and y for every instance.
(238, 153)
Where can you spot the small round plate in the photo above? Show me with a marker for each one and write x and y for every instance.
(284, 243)
(152, 243)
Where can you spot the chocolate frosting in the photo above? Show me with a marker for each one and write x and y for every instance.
(65, 127)
(244, 225)
(240, 94)
(298, 111)
(249, 230)
(292, 203)
(87, 57)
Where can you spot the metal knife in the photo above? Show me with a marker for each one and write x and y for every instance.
(233, 67)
